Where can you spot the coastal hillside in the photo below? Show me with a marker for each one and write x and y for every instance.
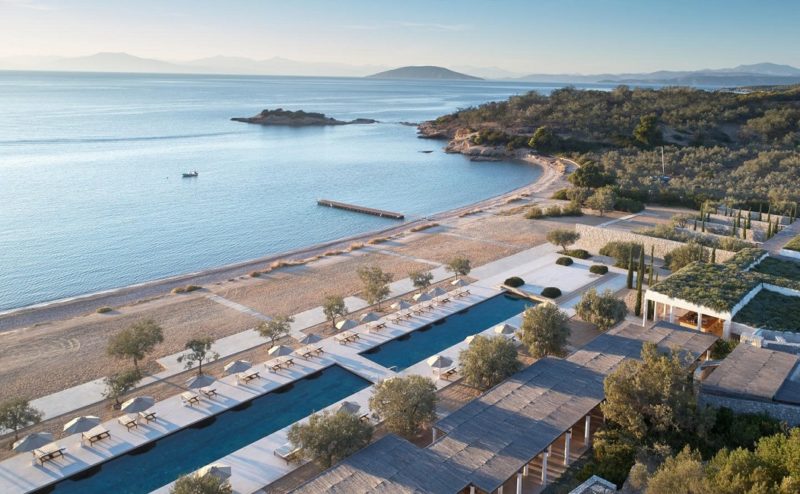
(741, 145)
(423, 72)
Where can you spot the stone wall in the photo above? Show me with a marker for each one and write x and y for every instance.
(787, 413)
(593, 238)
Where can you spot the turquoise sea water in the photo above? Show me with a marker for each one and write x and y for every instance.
(90, 171)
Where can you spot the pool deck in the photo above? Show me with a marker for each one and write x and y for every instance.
(255, 465)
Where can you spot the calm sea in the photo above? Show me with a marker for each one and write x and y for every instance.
(90, 171)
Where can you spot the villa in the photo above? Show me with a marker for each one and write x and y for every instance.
(731, 299)
(510, 438)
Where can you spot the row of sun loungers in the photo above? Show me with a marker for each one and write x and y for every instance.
(275, 366)
(346, 337)
(308, 352)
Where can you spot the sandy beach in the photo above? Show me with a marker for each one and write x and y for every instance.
(72, 337)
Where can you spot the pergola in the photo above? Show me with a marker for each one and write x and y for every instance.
(499, 439)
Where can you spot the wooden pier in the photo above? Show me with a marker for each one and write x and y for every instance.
(360, 209)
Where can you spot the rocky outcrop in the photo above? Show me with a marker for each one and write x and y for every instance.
(298, 118)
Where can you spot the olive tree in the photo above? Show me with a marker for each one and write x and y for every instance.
(421, 279)
(328, 437)
(275, 329)
(376, 284)
(601, 309)
(602, 200)
(199, 351)
(405, 404)
(119, 384)
(488, 361)
(201, 484)
(459, 266)
(563, 238)
(333, 306)
(136, 341)
(544, 330)
(17, 414)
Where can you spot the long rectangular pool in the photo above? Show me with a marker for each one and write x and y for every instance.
(429, 340)
(160, 462)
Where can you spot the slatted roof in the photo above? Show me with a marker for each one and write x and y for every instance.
(756, 374)
(491, 438)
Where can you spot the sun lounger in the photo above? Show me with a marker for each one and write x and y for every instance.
(246, 377)
(209, 392)
(148, 416)
(364, 417)
(129, 421)
(288, 362)
(287, 452)
(48, 452)
(274, 367)
(98, 433)
(347, 337)
(446, 375)
(395, 318)
(190, 398)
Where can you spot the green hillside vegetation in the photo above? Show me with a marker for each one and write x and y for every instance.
(721, 145)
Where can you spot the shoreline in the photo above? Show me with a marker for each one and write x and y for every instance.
(44, 312)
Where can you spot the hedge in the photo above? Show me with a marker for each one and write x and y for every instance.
(598, 269)
(551, 292)
(578, 253)
(514, 282)
(564, 261)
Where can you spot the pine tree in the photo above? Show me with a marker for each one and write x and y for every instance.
(629, 282)
(639, 280)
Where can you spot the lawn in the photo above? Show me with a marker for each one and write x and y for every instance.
(771, 310)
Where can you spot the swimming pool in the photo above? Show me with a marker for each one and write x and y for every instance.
(428, 340)
(159, 463)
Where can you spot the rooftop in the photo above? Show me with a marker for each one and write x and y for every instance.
(492, 437)
(753, 373)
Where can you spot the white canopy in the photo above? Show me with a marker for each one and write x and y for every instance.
(439, 362)
(280, 351)
(422, 297)
(309, 339)
(237, 366)
(505, 329)
(345, 324)
(369, 317)
(81, 424)
(138, 404)
(201, 381)
(435, 292)
(459, 282)
(218, 470)
(33, 441)
(401, 305)
(348, 407)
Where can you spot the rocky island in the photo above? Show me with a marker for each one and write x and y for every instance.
(298, 118)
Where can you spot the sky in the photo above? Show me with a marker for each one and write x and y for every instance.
(525, 36)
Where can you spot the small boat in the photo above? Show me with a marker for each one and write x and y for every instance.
(190, 174)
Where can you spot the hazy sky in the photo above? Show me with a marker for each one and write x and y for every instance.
(580, 36)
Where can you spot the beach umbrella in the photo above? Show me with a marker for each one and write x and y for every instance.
(201, 381)
(439, 362)
(346, 324)
(436, 292)
(505, 329)
(218, 470)
(280, 351)
(422, 297)
(369, 317)
(309, 339)
(459, 282)
(81, 424)
(401, 305)
(348, 407)
(33, 441)
(138, 404)
(236, 367)
(469, 338)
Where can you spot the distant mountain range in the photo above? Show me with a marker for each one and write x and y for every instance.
(743, 75)
(423, 72)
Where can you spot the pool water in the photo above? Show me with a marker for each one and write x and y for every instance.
(420, 344)
(161, 462)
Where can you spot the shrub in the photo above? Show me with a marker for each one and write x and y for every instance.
(560, 194)
(534, 212)
(578, 253)
(564, 261)
(621, 252)
(684, 255)
(255, 274)
(598, 269)
(553, 211)
(514, 282)
(551, 291)
(103, 310)
(628, 205)
(572, 209)
(192, 288)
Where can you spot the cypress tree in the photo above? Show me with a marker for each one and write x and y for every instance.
(652, 265)
(744, 232)
(695, 225)
(768, 235)
(760, 214)
(639, 278)
(703, 226)
(630, 269)
(749, 219)
(769, 214)
(713, 255)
